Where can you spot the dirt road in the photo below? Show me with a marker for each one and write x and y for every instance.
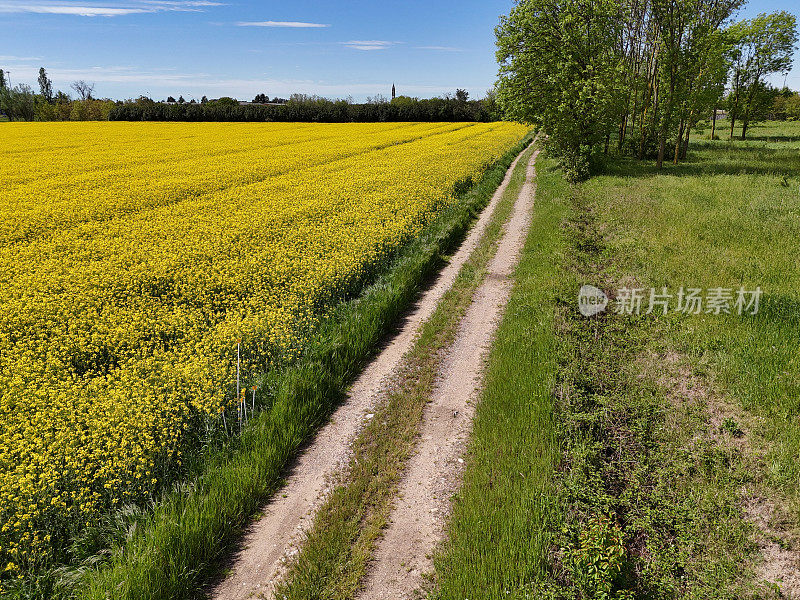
(272, 538)
(433, 475)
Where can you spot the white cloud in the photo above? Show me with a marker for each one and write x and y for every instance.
(368, 44)
(293, 24)
(83, 11)
(178, 3)
(104, 10)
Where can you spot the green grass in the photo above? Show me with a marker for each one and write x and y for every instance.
(334, 555)
(770, 131)
(643, 487)
(173, 551)
(728, 217)
(594, 443)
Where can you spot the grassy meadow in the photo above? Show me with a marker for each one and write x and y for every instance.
(728, 217)
(644, 456)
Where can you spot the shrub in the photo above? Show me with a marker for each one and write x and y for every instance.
(596, 564)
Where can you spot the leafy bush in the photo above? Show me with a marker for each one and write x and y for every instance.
(596, 563)
(18, 102)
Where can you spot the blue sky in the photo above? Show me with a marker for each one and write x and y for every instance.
(242, 47)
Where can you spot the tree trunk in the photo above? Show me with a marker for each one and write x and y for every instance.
(650, 97)
(714, 122)
(691, 121)
(641, 145)
(678, 142)
(665, 120)
(623, 127)
(645, 102)
(748, 113)
(630, 121)
(685, 151)
(655, 100)
(734, 107)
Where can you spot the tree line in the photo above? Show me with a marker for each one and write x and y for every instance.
(785, 106)
(20, 102)
(304, 108)
(636, 75)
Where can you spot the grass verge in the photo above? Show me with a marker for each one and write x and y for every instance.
(727, 218)
(172, 551)
(337, 548)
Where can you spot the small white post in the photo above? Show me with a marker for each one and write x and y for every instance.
(238, 366)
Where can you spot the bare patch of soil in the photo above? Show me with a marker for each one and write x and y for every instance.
(734, 428)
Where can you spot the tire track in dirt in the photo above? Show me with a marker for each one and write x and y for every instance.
(271, 539)
(403, 555)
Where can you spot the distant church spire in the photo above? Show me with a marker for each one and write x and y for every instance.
(392, 90)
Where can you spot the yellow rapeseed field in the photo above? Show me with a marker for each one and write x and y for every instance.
(133, 256)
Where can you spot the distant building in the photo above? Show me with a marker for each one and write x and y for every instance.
(393, 91)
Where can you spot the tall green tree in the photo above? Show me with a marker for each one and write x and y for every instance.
(690, 50)
(711, 92)
(18, 102)
(705, 69)
(560, 68)
(762, 46)
(45, 86)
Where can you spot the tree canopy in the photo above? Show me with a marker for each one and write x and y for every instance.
(641, 71)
